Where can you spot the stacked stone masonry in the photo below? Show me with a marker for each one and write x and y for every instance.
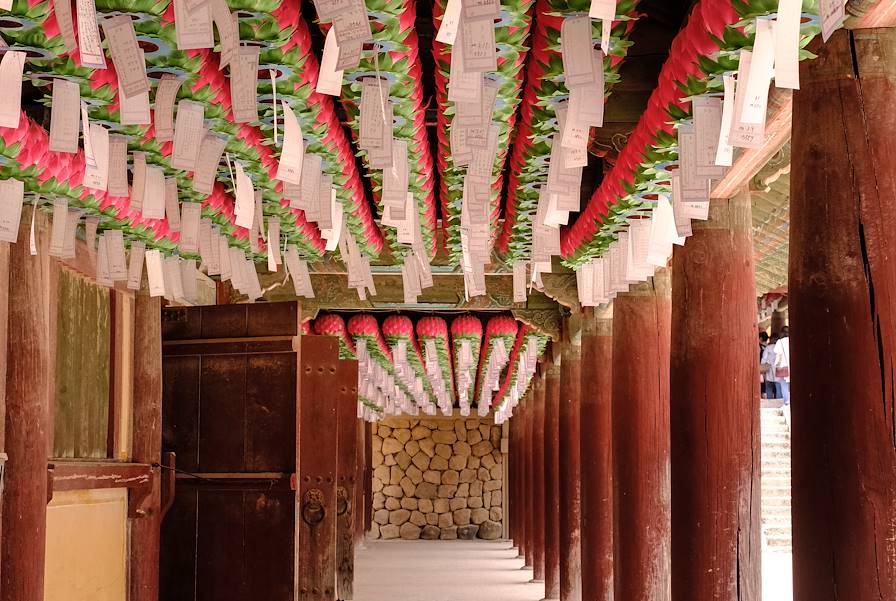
(437, 479)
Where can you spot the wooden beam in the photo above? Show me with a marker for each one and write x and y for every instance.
(147, 444)
(22, 549)
(748, 162)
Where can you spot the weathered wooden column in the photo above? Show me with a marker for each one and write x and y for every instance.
(516, 514)
(714, 410)
(842, 306)
(4, 324)
(26, 422)
(552, 477)
(538, 485)
(641, 322)
(570, 462)
(316, 385)
(529, 474)
(596, 446)
(147, 444)
(346, 393)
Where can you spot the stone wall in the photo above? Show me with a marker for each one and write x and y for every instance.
(437, 479)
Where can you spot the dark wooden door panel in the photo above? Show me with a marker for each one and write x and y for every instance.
(180, 409)
(271, 413)
(222, 413)
(230, 416)
(228, 544)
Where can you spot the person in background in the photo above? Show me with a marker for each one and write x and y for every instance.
(767, 368)
(782, 364)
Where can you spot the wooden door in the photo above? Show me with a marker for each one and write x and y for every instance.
(229, 414)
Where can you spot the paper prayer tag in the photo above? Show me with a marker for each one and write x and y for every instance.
(126, 54)
(65, 116)
(577, 51)
(11, 68)
(450, 21)
(193, 25)
(206, 172)
(244, 84)
(89, 42)
(12, 198)
(163, 110)
(189, 132)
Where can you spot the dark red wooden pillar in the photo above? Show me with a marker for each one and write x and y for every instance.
(596, 446)
(570, 462)
(552, 478)
(4, 324)
(516, 514)
(346, 399)
(318, 362)
(360, 467)
(530, 472)
(716, 536)
(26, 422)
(842, 293)
(368, 476)
(147, 444)
(538, 490)
(641, 322)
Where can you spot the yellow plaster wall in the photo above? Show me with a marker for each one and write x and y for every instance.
(87, 546)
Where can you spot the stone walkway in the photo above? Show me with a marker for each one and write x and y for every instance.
(442, 571)
(481, 570)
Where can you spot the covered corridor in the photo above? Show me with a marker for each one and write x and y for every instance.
(482, 571)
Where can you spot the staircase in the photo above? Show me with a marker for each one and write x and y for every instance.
(776, 526)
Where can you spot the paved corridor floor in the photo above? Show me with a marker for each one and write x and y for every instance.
(442, 571)
(481, 571)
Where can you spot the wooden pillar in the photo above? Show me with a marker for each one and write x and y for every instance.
(368, 476)
(4, 324)
(552, 478)
(538, 484)
(26, 422)
(570, 462)
(641, 322)
(147, 444)
(596, 446)
(315, 572)
(842, 304)
(345, 386)
(714, 410)
(515, 514)
(529, 479)
(360, 469)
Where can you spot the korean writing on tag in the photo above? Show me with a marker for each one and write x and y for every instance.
(577, 51)
(12, 198)
(163, 111)
(189, 132)
(244, 84)
(126, 54)
(89, 43)
(206, 171)
(65, 116)
(11, 67)
(117, 184)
